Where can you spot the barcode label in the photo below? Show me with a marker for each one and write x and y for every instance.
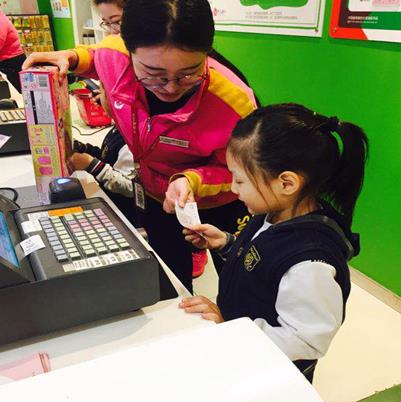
(43, 81)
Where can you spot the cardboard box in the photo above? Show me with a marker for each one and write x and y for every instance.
(48, 120)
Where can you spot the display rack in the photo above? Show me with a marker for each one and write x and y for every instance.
(99, 33)
(84, 24)
(34, 32)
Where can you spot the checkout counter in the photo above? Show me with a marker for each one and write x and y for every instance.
(158, 353)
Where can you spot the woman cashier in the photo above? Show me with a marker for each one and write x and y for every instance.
(175, 106)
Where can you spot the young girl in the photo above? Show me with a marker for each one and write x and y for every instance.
(299, 173)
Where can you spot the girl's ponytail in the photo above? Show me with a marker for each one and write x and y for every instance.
(330, 154)
(346, 182)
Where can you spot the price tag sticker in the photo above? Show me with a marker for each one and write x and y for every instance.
(31, 226)
(32, 244)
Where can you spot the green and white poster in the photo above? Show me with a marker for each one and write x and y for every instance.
(281, 17)
(366, 20)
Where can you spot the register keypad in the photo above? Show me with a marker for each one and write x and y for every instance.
(12, 115)
(86, 239)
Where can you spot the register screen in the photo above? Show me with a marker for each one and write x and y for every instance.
(6, 246)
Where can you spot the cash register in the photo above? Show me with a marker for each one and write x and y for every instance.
(13, 125)
(67, 264)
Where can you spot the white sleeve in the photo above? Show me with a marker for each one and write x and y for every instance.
(310, 311)
(125, 161)
(118, 179)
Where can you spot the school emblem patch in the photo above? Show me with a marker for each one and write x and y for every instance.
(251, 259)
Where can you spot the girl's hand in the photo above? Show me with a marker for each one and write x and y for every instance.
(205, 236)
(79, 161)
(200, 304)
(178, 190)
(63, 59)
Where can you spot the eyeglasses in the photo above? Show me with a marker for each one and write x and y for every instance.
(184, 81)
(110, 26)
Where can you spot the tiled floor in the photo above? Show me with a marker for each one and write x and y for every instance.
(365, 355)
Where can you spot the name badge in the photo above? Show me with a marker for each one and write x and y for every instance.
(139, 194)
(174, 141)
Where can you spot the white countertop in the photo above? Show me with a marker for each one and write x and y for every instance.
(233, 362)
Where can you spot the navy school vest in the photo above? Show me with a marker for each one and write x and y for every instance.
(250, 279)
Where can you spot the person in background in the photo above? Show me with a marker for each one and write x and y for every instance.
(112, 165)
(111, 12)
(11, 53)
(300, 174)
(176, 108)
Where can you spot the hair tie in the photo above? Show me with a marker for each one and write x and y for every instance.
(332, 124)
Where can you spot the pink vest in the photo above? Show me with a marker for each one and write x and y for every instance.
(190, 142)
(10, 45)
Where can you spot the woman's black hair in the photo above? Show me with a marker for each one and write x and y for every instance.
(329, 154)
(119, 3)
(185, 24)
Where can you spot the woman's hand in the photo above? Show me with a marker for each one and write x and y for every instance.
(178, 190)
(205, 236)
(64, 59)
(200, 304)
(79, 161)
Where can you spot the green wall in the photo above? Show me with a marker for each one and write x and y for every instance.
(63, 34)
(358, 81)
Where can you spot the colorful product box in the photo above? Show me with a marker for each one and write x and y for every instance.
(48, 119)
